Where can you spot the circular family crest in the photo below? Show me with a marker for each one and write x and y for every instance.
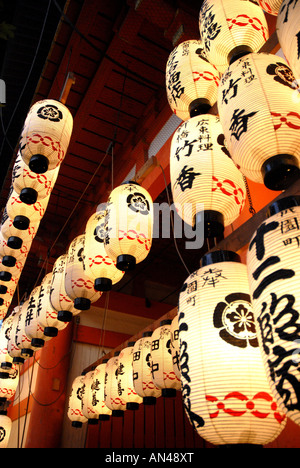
(138, 203)
(50, 112)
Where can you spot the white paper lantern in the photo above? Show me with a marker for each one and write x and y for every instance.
(98, 387)
(46, 135)
(113, 393)
(208, 189)
(5, 429)
(225, 390)
(260, 119)
(60, 301)
(33, 329)
(16, 236)
(191, 81)
(31, 186)
(22, 341)
(74, 412)
(273, 268)
(12, 267)
(125, 378)
(287, 29)
(78, 285)
(128, 225)
(175, 345)
(142, 370)
(13, 347)
(87, 399)
(229, 30)
(271, 6)
(24, 215)
(46, 314)
(100, 268)
(9, 381)
(5, 358)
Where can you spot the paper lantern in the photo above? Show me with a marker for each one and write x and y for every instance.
(270, 6)
(78, 286)
(142, 370)
(162, 370)
(8, 383)
(98, 387)
(24, 215)
(274, 271)
(174, 346)
(208, 189)
(87, 402)
(230, 30)
(12, 267)
(5, 429)
(287, 29)
(191, 81)
(16, 236)
(128, 225)
(13, 347)
(113, 394)
(74, 412)
(33, 328)
(46, 135)
(225, 390)
(261, 119)
(31, 186)
(46, 314)
(5, 358)
(125, 378)
(100, 268)
(60, 301)
(22, 341)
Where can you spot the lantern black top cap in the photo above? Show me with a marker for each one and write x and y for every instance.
(130, 182)
(283, 204)
(219, 256)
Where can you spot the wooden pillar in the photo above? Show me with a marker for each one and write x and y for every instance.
(46, 418)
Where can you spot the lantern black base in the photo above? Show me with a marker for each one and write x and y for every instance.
(82, 303)
(28, 195)
(199, 107)
(27, 352)
(6, 365)
(77, 424)
(104, 417)
(103, 284)
(21, 222)
(18, 360)
(283, 204)
(280, 171)
(125, 262)
(38, 164)
(5, 276)
(14, 242)
(168, 392)
(93, 422)
(9, 261)
(37, 342)
(4, 375)
(213, 223)
(50, 331)
(132, 406)
(64, 316)
(218, 256)
(3, 289)
(117, 413)
(149, 400)
(3, 399)
(1, 301)
(238, 52)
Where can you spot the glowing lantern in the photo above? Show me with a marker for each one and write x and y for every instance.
(230, 30)
(125, 378)
(191, 81)
(287, 28)
(128, 225)
(208, 189)
(113, 395)
(12, 267)
(5, 358)
(13, 347)
(270, 6)
(31, 186)
(74, 412)
(5, 429)
(231, 402)
(16, 236)
(24, 215)
(46, 135)
(60, 301)
(46, 314)
(174, 345)
(255, 96)
(78, 286)
(33, 329)
(88, 404)
(142, 371)
(100, 268)
(273, 268)
(98, 387)
(8, 383)
(22, 341)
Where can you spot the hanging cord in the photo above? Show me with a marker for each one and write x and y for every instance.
(251, 207)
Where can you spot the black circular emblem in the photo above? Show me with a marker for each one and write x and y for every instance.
(138, 203)
(50, 112)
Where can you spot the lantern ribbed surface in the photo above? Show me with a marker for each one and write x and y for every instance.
(47, 315)
(21, 340)
(203, 176)
(5, 358)
(224, 386)
(8, 383)
(228, 27)
(141, 365)
(5, 429)
(13, 348)
(20, 234)
(287, 29)
(271, 6)
(33, 328)
(113, 394)
(273, 268)
(128, 225)
(174, 345)
(260, 118)
(98, 265)
(78, 285)
(162, 369)
(88, 402)
(74, 412)
(191, 81)
(98, 385)
(60, 301)
(35, 212)
(46, 135)
(125, 378)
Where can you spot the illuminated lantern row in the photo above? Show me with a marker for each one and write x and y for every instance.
(208, 189)
(5, 429)
(128, 225)
(46, 135)
(287, 28)
(261, 120)
(74, 412)
(229, 30)
(273, 268)
(225, 390)
(93, 405)
(191, 81)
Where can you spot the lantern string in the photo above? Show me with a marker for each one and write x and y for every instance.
(251, 207)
